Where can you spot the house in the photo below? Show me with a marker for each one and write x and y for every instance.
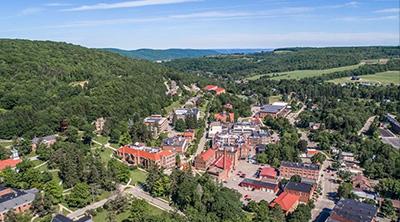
(349, 210)
(221, 168)
(346, 157)
(204, 159)
(214, 128)
(303, 190)
(176, 144)
(361, 183)
(311, 152)
(219, 91)
(304, 170)
(250, 184)
(12, 162)
(225, 117)
(141, 155)
(395, 125)
(287, 201)
(99, 124)
(214, 88)
(46, 140)
(314, 126)
(184, 113)
(156, 124)
(16, 200)
(189, 135)
(267, 173)
(261, 148)
(62, 218)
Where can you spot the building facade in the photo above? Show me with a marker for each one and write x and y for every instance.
(304, 170)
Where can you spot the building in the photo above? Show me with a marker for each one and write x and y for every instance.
(260, 137)
(303, 190)
(346, 157)
(250, 184)
(99, 124)
(225, 117)
(214, 88)
(16, 200)
(361, 183)
(156, 124)
(261, 148)
(245, 128)
(189, 135)
(287, 201)
(204, 159)
(311, 152)
(348, 210)
(176, 144)
(304, 170)
(12, 162)
(220, 170)
(267, 173)
(184, 113)
(140, 155)
(46, 140)
(395, 125)
(274, 110)
(214, 128)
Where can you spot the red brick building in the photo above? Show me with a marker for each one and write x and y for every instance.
(251, 184)
(303, 190)
(204, 159)
(287, 201)
(140, 155)
(304, 170)
(15, 200)
(267, 173)
(225, 117)
(220, 170)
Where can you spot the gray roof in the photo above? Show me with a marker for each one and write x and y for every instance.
(45, 138)
(174, 141)
(307, 166)
(355, 211)
(301, 187)
(15, 198)
(271, 108)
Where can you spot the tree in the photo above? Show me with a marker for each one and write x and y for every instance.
(302, 145)
(344, 190)
(80, 195)
(4, 153)
(119, 171)
(180, 125)
(318, 158)
(138, 210)
(42, 205)
(388, 210)
(295, 178)
(72, 134)
(302, 213)
(11, 216)
(54, 191)
(124, 139)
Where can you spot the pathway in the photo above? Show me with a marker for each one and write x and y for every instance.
(367, 124)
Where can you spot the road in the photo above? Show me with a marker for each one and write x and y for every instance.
(367, 124)
(292, 117)
(135, 191)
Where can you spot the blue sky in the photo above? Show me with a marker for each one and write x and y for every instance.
(203, 23)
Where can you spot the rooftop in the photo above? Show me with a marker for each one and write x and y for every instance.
(154, 119)
(43, 139)
(207, 154)
(285, 200)
(14, 198)
(307, 166)
(177, 141)
(301, 187)
(151, 153)
(268, 172)
(258, 183)
(354, 211)
(271, 108)
(9, 163)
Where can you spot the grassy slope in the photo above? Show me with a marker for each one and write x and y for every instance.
(299, 74)
(384, 78)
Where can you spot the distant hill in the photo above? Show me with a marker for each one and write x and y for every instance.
(170, 54)
(167, 54)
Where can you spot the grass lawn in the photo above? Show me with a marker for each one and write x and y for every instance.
(173, 106)
(273, 99)
(105, 154)
(138, 176)
(6, 143)
(101, 139)
(384, 78)
(102, 216)
(300, 74)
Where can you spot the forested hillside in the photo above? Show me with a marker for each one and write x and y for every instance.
(42, 83)
(281, 60)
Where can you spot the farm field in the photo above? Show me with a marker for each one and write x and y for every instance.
(300, 74)
(384, 78)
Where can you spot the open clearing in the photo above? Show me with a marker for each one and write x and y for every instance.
(300, 74)
(384, 78)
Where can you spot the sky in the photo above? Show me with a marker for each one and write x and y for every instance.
(204, 24)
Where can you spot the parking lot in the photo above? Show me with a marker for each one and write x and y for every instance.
(250, 171)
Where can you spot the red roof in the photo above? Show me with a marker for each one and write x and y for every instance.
(144, 154)
(224, 117)
(220, 162)
(312, 152)
(268, 172)
(207, 154)
(210, 87)
(9, 163)
(286, 201)
(188, 134)
(219, 90)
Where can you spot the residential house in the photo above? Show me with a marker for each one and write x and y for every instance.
(287, 201)
(311, 152)
(189, 135)
(156, 124)
(347, 157)
(46, 140)
(176, 144)
(225, 117)
(11, 162)
(184, 113)
(99, 124)
(16, 200)
(349, 210)
(304, 170)
(361, 183)
(204, 159)
(303, 190)
(214, 88)
(261, 148)
(141, 155)
(250, 184)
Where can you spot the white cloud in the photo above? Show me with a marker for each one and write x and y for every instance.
(30, 11)
(56, 4)
(366, 19)
(126, 4)
(345, 5)
(388, 10)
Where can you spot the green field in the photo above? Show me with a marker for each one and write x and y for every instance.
(138, 176)
(384, 78)
(300, 74)
(273, 99)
